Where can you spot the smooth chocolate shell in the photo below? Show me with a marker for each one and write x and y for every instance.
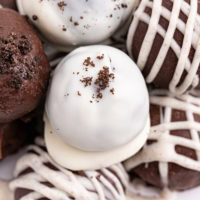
(24, 68)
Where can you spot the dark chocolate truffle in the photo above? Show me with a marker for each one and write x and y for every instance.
(9, 4)
(13, 136)
(164, 41)
(24, 68)
(39, 177)
(171, 156)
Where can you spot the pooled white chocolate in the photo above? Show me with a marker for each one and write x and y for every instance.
(98, 100)
(76, 159)
(71, 23)
(163, 150)
(49, 180)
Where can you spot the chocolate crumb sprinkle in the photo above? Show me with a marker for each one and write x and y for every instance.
(35, 17)
(103, 81)
(62, 5)
(13, 59)
(79, 94)
(88, 62)
(87, 81)
(100, 57)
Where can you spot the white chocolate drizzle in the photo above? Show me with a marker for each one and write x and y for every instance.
(138, 190)
(191, 34)
(105, 184)
(163, 150)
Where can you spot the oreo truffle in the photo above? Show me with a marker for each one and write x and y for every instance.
(171, 156)
(97, 107)
(24, 68)
(9, 4)
(13, 136)
(77, 23)
(164, 41)
(37, 176)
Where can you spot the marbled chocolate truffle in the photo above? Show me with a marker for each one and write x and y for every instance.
(164, 41)
(171, 156)
(39, 177)
(24, 68)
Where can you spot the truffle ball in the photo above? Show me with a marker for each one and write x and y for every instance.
(75, 23)
(98, 106)
(164, 41)
(24, 68)
(39, 177)
(8, 4)
(171, 155)
(13, 136)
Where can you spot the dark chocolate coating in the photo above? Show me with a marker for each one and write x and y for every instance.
(13, 136)
(9, 4)
(179, 177)
(167, 70)
(24, 68)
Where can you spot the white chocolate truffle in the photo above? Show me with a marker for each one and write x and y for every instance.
(71, 23)
(98, 101)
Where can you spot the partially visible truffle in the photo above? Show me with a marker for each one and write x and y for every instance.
(39, 177)
(77, 23)
(9, 4)
(171, 155)
(164, 41)
(13, 136)
(24, 68)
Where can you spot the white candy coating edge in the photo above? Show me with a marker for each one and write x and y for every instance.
(76, 159)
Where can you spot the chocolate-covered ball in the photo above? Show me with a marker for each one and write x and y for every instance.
(8, 4)
(13, 136)
(24, 68)
(37, 176)
(164, 41)
(171, 156)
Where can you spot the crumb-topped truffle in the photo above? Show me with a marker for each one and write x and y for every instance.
(24, 69)
(97, 102)
(75, 23)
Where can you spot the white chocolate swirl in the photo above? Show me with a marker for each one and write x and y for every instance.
(191, 33)
(105, 184)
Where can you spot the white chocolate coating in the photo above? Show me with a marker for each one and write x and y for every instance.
(163, 150)
(87, 122)
(71, 23)
(105, 184)
(191, 33)
(76, 159)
